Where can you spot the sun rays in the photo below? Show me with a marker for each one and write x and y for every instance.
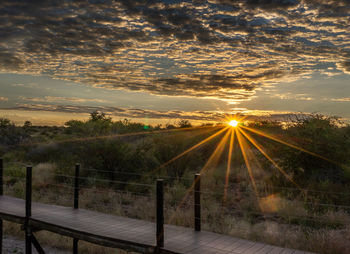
(260, 133)
(229, 161)
(262, 151)
(236, 134)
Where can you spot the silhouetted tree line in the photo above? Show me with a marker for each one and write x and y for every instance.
(100, 124)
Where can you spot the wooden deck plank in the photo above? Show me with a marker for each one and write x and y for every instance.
(266, 249)
(244, 247)
(288, 251)
(234, 245)
(206, 250)
(12, 209)
(256, 247)
(127, 233)
(276, 250)
(231, 246)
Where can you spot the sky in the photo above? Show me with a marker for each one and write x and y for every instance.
(161, 61)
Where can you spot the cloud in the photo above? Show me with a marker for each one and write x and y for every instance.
(293, 96)
(346, 99)
(221, 49)
(121, 112)
(60, 99)
(198, 116)
(344, 66)
(9, 61)
(268, 5)
(30, 85)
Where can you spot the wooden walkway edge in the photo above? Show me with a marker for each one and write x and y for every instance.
(126, 233)
(120, 232)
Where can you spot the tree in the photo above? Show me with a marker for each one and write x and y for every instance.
(10, 134)
(170, 126)
(184, 124)
(27, 124)
(4, 123)
(158, 127)
(99, 116)
(76, 127)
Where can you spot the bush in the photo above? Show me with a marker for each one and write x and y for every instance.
(11, 134)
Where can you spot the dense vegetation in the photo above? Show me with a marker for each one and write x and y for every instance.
(122, 152)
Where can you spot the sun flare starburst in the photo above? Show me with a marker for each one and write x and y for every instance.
(235, 128)
(233, 123)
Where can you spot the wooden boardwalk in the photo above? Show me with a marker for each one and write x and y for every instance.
(126, 233)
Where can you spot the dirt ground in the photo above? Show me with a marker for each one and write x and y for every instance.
(16, 245)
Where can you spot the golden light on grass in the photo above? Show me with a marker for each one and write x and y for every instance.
(233, 123)
(271, 137)
(263, 152)
(248, 147)
(229, 162)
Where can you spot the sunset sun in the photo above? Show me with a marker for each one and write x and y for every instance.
(233, 123)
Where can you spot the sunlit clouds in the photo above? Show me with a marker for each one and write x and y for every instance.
(217, 49)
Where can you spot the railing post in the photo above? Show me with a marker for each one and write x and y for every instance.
(1, 176)
(160, 214)
(76, 186)
(28, 211)
(1, 193)
(197, 202)
(76, 202)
